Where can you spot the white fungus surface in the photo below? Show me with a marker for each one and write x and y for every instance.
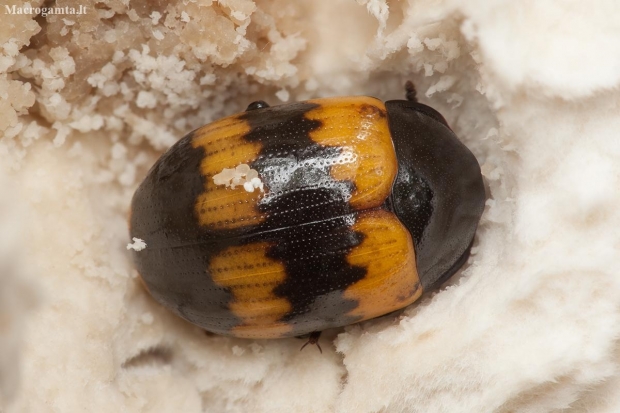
(88, 103)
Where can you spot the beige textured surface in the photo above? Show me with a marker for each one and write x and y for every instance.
(88, 103)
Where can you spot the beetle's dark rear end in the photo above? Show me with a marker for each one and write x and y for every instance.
(438, 193)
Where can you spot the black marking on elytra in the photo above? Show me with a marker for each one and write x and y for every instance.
(313, 215)
(314, 256)
(176, 259)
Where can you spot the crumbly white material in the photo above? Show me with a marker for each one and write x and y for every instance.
(137, 244)
(240, 175)
(531, 323)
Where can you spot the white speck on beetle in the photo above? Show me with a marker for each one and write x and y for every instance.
(242, 175)
(248, 186)
(137, 244)
(257, 183)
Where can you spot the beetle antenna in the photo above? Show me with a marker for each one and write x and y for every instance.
(410, 92)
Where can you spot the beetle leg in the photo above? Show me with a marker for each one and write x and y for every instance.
(410, 92)
(259, 104)
(313, 338)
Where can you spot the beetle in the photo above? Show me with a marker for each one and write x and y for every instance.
(364, 206)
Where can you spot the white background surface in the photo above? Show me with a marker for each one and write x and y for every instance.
(530, 324)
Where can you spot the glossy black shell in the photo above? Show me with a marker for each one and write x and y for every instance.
(438, 193)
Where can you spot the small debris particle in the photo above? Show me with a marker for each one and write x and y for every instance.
(248, 186)
(283, 95)
(241, 175)
(158, 34)
(155, 16)
(257, 183)
(136, 245)
(238, 351)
